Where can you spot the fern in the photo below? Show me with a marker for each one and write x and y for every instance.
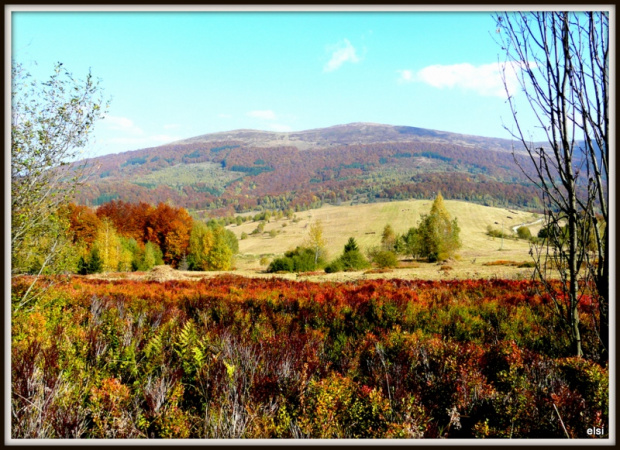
(186, 337)
(199, 356)
(154, 347)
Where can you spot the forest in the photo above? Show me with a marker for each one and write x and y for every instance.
(120, 236)
(236, 177)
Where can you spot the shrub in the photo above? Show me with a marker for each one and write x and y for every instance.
(524, 232)
(334, 266)
(351, 259)
(498, 233)
(385, 259)
(302, 259)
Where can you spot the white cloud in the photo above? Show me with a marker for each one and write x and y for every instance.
(485, 79)
(125, 132)
(123, 124)
(341, 53)
(263, 114)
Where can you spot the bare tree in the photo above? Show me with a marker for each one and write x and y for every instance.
(561, 62)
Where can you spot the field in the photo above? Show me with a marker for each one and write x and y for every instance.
(234, 357)
(365, 222)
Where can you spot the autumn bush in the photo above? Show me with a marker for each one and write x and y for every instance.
(231, 357)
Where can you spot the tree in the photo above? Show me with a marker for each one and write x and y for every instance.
(437, 235)
(388, 238)
(94, 264)
(351, 245)
(385, 259)
(561, 61)
(200, 243)
(50, 122)
(411, 242)
(211, 247)
(83, 224)
(220, 256)
(351, 259)
(130, 220)
(170, 229)
(316, 241)
(153, 256)
(108, 245)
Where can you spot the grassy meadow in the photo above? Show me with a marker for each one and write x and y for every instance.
(365, 222)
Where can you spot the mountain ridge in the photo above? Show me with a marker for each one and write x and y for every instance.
(241, 170)
(350, 133)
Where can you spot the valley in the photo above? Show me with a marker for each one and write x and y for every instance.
(478, 257)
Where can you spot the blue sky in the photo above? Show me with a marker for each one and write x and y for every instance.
(174, 75)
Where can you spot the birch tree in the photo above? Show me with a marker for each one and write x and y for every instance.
(51, 122)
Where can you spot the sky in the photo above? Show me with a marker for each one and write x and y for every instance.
(172, 75)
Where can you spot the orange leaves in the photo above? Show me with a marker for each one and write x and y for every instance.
(166, 226)
(129, 219)
(368, 359)
(83, 223)
(170, 229)
(109, 405)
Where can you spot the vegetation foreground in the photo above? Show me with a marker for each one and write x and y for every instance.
(233, 357)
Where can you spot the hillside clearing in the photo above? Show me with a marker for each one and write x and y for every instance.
(481, 256)
(365, 222)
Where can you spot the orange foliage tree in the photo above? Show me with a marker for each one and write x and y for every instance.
(83, 223)
(129, 219)
(170, 228)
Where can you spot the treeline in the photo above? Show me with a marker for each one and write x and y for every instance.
(121, 236)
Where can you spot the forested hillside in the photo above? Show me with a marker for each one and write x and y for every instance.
(245, 170)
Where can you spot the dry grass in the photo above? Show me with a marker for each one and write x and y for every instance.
(365, 223)
(480, 257)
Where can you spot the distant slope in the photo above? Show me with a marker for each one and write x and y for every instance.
(365, 223)
(351, 134)
(247, 169)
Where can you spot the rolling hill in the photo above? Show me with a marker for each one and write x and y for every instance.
(365, 223)
(243, 170)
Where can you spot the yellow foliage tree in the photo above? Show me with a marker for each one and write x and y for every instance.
(316, 241)
(438, 233)
(201, 241)
(220, 256)
(109, 245)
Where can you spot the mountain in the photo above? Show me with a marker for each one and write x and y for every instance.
(350, 134)
(242, 170)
